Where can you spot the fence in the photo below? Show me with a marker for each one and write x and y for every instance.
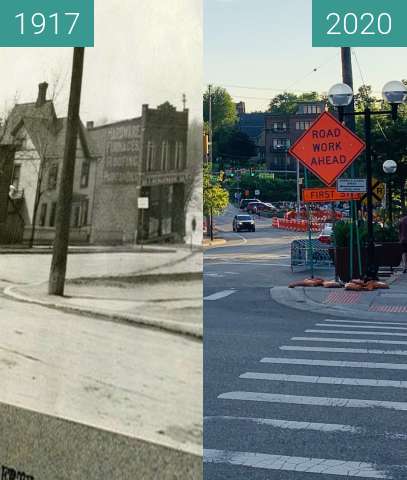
(303, 252)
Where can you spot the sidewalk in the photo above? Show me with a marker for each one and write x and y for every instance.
(376, 305)
(158, 291)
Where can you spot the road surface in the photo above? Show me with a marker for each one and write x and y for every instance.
(291, 395)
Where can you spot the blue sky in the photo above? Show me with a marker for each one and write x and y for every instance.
(267, 44)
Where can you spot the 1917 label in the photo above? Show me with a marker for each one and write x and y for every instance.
(8, 473)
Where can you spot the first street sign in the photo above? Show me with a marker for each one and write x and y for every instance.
(327, 148)
(327, 195)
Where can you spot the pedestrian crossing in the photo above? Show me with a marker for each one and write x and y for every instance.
(371, 389)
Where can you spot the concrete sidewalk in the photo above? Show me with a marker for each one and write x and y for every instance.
(376, 305)
(164, 292)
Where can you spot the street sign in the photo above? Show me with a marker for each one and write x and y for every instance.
(351, 185)
(143, 203)
(327, 148)
(326, 195)
(378, 192)
(257, 192)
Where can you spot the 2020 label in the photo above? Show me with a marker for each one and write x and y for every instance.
(364, 23)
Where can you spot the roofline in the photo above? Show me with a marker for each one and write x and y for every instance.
(119, 122)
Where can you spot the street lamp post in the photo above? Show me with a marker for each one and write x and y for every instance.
(390, 168)
(340, 96)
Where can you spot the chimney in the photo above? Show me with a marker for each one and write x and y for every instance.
(42, 94)
(90, 125)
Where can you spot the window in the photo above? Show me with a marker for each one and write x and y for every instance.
(84, 212)
(52, 214)
(279, 126)
(179, 155)
(53, 176)
(85, 173)
(150, 156)
(302, 125)
(43, 215)
(76, 211)
(16, 176)
(164, 155)
(280, 143)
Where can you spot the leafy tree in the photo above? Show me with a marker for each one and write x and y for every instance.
(234, 147)
(286, 102)
(215, 198)
(223, 108)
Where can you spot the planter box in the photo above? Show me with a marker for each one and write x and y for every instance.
(386, 255)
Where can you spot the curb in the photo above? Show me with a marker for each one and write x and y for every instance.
(83, 251)
(171, 326)
(298, 300)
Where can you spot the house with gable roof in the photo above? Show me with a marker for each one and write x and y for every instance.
(38, 136)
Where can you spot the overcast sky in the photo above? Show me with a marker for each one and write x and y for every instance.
(146, 51)
(267, 44)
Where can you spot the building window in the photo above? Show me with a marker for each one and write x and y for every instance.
(179, 155)
(279, 126)
(150, 156)
(84, 212)
(16, 176)
(164, 155)
(280, 143)
(76, 212)
(302, 125)
(43, 215)
(53, 176)
(52, 214)
(85, 173)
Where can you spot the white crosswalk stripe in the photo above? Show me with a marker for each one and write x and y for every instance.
(377, 327)
(351, 332)
(335, 363)
(348, 340)
(361, 382)
(293, 464)
(343, 350)
(348, 333)
(365, 322)
(291, 425)
(317, 401)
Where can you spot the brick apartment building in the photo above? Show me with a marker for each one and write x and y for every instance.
(283, 130)
(115, 164)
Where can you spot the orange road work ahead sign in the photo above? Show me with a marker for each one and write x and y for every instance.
(327, 148)
(329, 194)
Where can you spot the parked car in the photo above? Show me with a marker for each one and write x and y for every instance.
(257, 207)
(243, 222)
(245, 201)
(326, 234)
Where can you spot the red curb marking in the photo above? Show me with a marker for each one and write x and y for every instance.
(388, 308)
(348, 298)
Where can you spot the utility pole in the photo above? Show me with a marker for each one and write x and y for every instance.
(63, 214)
(347, 78)
(210, 124)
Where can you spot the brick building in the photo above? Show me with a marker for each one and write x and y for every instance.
(115, 165)
(141, 157)
(283, 130)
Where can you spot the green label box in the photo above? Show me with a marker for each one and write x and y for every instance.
(47, 23)
(359, 23)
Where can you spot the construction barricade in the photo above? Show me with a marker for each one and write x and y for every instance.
(304, 252)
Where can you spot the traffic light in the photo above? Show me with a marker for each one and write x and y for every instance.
(252, 172)
(221, 176)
